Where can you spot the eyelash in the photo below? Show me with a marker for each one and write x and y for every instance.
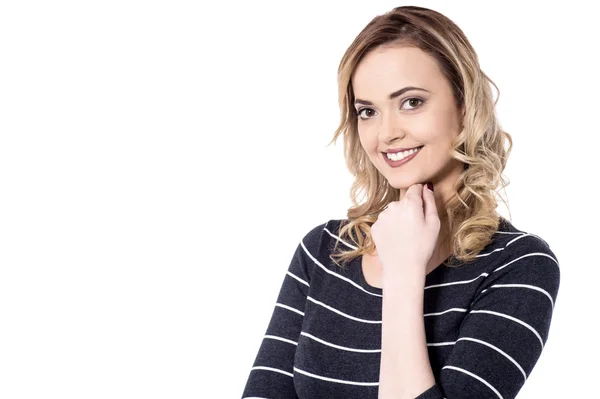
(408, 99)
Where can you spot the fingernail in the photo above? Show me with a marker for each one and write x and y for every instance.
(430, 186)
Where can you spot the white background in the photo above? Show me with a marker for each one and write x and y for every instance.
(161, 160)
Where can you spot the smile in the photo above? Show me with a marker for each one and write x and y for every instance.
(399, 159)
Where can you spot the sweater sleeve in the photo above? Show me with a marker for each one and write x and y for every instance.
(505, 329)
(272, 373)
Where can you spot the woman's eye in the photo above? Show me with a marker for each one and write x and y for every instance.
(413, 102)
(361, 113)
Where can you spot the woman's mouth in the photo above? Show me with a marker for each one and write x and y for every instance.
(400, 158)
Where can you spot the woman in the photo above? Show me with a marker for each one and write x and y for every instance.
(425, 291)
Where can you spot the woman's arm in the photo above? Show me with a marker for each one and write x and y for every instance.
(272, 373)
(405, 371)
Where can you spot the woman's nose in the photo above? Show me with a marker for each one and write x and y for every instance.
(390, 128)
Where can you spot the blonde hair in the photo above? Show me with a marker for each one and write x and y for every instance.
(480, 145)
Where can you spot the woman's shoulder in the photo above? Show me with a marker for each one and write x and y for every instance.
(321, 241)
(508, 235)
(521, 252)
(319, 237)
(315, 247)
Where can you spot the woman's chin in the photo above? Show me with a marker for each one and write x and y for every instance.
(403, 183)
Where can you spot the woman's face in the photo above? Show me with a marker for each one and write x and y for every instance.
(422, 113)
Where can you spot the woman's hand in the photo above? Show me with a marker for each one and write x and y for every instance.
(405, 233)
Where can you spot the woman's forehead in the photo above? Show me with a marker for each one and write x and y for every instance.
(382, 71)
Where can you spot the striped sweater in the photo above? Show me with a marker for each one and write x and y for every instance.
(486, 322)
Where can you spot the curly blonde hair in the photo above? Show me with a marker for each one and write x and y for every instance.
(480, 145)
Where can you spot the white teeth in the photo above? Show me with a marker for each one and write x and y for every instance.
(401, 155)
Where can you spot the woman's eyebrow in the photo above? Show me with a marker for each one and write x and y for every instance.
(391, 96)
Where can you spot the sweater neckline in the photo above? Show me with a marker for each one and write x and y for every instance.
(357, 262)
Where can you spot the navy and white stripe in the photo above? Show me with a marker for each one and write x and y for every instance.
(486, 322)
